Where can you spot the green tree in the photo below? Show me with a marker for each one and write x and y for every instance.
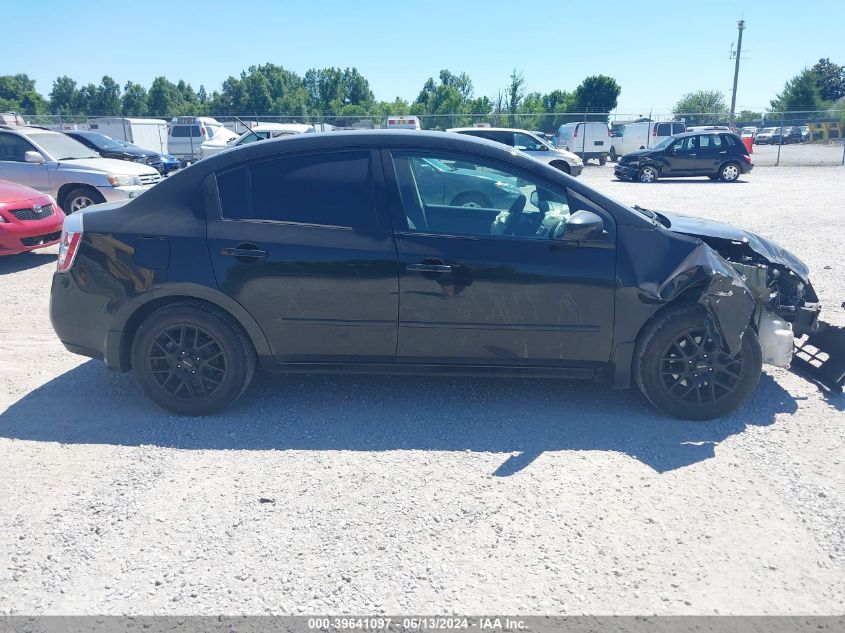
(514, 93)
(64, 96)
(701, 107)
(597, 93)
(800, 94)
(830, 79)
(747, 116)
(107, 98)
(134, 100)
(163, 99)
(17, 92)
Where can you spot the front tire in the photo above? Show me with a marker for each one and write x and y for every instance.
(683, 372)
(191, 359)
(648, 174)
(79, 198)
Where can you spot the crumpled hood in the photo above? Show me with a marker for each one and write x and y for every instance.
(639, 153)
(767, 249)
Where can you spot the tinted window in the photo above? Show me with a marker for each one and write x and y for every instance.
(710, 141)
(664, 129)
(678, 128)
(185, 131)
(529, 143)
(328, 189)
(685, 145)
(728, 140)
(14, 148)
(457, 195)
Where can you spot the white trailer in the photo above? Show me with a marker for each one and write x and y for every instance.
(148, 134)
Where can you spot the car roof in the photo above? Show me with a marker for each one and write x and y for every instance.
(27, 129)
(700, 132)
(489, 129)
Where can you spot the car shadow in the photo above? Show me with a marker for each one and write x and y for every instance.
(519, 418)
(24, 261)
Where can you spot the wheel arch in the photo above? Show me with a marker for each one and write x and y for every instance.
(562, 165)
(70, 186)
(119, 339)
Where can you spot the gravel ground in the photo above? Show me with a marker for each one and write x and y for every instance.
(381, 494)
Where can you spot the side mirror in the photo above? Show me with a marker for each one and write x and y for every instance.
(583, 225)
(534, 199)
(33, 157)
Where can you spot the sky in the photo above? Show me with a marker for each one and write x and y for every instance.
(657, 50)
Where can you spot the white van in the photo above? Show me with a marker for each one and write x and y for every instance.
(642, 135)
(587, 140)
(148, 134)
(188, 133)
(258, 132)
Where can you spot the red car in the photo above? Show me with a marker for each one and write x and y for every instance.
(28, 219)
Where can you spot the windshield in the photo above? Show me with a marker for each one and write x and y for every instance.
(664, 143)
(61, 147)
(102, 141)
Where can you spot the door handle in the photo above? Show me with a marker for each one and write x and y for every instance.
(429, 267)
(246, 251)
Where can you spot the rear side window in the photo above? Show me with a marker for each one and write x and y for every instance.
(664, 129)
(678, 128)
(327, 189)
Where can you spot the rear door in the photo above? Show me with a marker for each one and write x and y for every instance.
(303, 245)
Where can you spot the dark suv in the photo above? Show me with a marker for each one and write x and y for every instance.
(717, 155)
(107, 147)
(344, 252)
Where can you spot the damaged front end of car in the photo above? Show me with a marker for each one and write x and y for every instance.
(786, 308)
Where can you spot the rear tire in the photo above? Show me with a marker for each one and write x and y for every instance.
(683, 372)
(603, 159)
(191, 359)
(729, 172)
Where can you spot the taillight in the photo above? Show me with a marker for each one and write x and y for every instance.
(747, 158)
(576, 132)
(202, 131)
(654, 131)
(69, 242)
(67, 251)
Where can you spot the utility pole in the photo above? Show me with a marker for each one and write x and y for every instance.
(740, 27)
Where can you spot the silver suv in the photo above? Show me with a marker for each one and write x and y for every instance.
(74, 175)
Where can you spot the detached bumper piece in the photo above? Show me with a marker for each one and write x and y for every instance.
(821, 356)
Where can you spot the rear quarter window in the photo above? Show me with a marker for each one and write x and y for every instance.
(333, 189)
(185, 131)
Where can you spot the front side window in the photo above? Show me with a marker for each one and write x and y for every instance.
(459, 195)
(527, 143)
(13, 148)
(331, 189)
(685, 145)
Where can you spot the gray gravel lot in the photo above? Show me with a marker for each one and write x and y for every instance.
(428, 495)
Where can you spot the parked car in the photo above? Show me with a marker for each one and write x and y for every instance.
(187, 136)
(719, 156)
(76, 176)
(749, 131)
(641, 135)
(259, 132)
(108, 147)
(327, 252)
(528, 143)
(29, 219)
(169, 163)
(792, 134)
(765, 136)
(587, 140)
(805, 133)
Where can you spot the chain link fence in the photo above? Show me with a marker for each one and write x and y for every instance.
(777, 138)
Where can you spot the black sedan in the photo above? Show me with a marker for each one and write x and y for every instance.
(107, 147)
(340, 253)
(169, 163)
(717, 155)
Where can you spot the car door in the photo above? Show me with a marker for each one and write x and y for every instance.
(680, 157)
(301, 243)
(710, 155)
(488, 285)
(13, 165)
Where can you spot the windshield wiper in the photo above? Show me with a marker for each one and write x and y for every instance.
(646, 212)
